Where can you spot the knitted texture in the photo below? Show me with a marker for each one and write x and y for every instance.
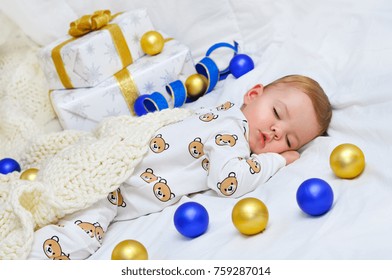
(74, 177)
(25, 109)
(76, 168)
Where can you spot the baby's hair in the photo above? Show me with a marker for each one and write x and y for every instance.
(319, 99)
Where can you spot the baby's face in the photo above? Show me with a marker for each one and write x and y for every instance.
(280, 118)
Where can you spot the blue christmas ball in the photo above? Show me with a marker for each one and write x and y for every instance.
(191, 219)
(315, 197)
(241, 64)
(8, 165)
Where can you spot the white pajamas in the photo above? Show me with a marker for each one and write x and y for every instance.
(208, 150)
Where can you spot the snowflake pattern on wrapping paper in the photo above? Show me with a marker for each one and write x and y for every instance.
(69, 96)
(78, 59)
(135, 19)
(111, 91)
(112, 112)
(66, 53)
(169, 76)
(148, 87)
(111, 52)
(80, 114)
(90, 49)
(94, 73)
(135, 41)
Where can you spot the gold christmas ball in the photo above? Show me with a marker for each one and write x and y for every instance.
(29, 174)
(152, 42)
(347, 161)
(250, 216)
(129, 250)
(196, 85)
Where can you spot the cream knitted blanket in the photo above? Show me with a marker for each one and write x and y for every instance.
(75, 168)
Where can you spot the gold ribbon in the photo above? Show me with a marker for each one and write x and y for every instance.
(85, 24)
(120, 43)
(128, 88)
(59, 64)
(88, 23)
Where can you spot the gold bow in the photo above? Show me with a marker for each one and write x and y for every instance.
(88, 23)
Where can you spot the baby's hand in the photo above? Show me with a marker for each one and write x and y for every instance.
(290, 156)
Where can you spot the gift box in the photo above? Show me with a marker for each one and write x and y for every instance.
(86, 60)
(83, 108)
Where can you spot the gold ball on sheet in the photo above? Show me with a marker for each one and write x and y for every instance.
(347, 161)
(29, 174)
(196, 85)
(152, 42)
(129, 250)
(250, 216)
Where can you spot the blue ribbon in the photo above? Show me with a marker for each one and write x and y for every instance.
(139, 107)
(206, 67)
(156, 101)
(147, 103)
(177, 91)
(150, 103)
(209, 69)
(225, 72)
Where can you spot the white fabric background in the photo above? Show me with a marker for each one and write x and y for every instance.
(346, 45)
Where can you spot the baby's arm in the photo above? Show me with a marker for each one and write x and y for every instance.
(233, 171)
(76, 236)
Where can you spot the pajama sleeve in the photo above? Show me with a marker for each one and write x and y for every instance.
(233, 171)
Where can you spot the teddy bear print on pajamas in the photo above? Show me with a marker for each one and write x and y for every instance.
(206, 151)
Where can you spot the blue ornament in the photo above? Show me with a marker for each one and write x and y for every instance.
(241, 64)
(8, 165)
(191, 219)
(315, 197)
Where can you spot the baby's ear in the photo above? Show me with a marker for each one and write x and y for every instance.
(253, 93)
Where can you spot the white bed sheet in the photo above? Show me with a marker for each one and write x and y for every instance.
(346, 46)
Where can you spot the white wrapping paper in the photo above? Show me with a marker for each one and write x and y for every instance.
(83, 108)
(92, 58)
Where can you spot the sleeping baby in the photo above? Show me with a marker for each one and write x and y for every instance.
(228, 148)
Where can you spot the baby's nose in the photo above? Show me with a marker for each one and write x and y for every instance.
(276, 133)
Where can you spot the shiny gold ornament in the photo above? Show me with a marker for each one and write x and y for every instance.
(29, 174)
(152, 42)
(129, 250)
(347, 161)
(196, 85)
(250, 216)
